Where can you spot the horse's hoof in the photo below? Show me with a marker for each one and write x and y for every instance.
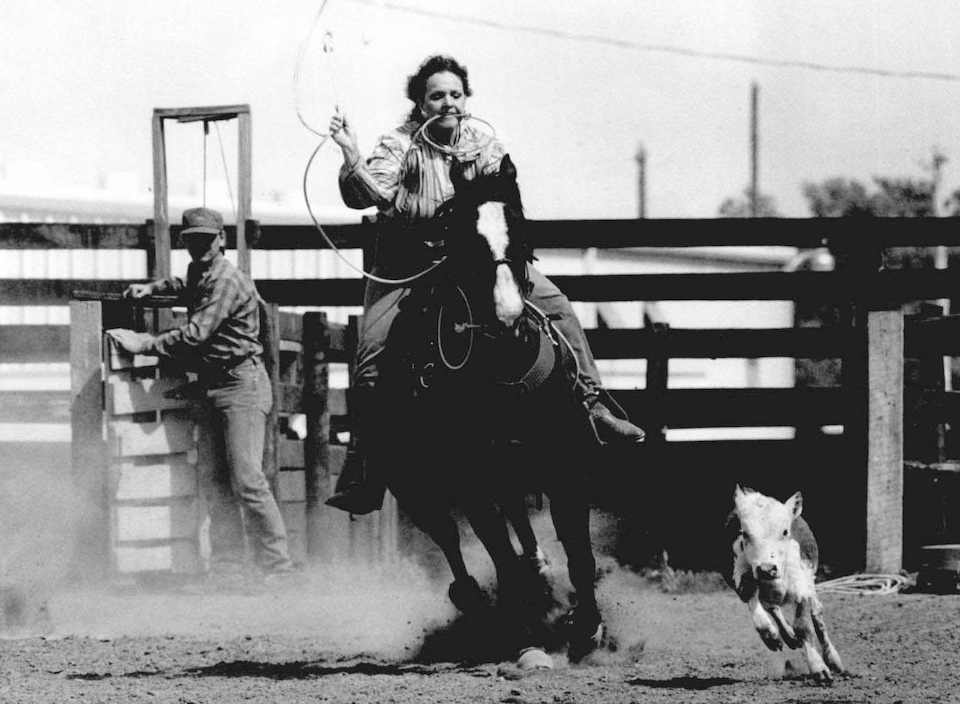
(586, 635)
(468, 597)
(534, 658)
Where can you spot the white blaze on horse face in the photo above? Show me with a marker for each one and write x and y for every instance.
(492, 225)
(767, 545)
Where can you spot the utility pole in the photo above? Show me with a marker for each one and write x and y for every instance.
(754, 148)
(641, 158)
(941, 255)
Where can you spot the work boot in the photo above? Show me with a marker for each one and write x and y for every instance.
(612, 427)
(356, 491)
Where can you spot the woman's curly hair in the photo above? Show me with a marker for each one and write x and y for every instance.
(438, 63)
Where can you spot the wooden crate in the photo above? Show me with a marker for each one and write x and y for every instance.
(153, 499)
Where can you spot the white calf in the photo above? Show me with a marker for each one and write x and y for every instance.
(774, 561)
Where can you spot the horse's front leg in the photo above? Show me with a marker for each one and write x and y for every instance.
(491, 528)
(437, 523)
(571, 519)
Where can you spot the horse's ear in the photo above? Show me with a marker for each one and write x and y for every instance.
(457, 178)
(507, 169)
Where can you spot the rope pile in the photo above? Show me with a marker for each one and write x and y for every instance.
(878, 584)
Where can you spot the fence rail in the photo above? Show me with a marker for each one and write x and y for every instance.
(840, 234)
(833, 469)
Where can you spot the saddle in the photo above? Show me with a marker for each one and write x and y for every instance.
(449, 341)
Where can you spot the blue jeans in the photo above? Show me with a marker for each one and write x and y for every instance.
(381, 305)
(232, 426)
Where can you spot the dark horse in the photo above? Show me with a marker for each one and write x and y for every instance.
(475, 376)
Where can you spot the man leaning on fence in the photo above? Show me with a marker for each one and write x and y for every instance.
(220, 341)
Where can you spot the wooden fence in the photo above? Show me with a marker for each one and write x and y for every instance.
(674, 494)
(134, 444)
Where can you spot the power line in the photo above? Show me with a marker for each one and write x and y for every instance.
(660, 48)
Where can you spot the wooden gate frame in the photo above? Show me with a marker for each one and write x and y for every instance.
(159, 268)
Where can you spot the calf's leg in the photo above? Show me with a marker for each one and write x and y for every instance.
(830, 653)
(786, 630)
(803, 624)
(764, 623)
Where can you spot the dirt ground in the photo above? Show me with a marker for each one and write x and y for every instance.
(359, 635)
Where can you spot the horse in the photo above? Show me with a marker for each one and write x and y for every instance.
(474, 374)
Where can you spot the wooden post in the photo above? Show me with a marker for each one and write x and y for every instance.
(244, 188)
(316, 377)
(885, 336)
(658, 375)
(270, 339)
(161, 216)
(88, 447)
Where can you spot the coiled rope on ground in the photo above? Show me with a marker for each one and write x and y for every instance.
(877, 584)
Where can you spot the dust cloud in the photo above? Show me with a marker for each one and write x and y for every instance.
(40, 516)
(343, 609)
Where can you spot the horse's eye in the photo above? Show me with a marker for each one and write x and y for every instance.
(786, 532)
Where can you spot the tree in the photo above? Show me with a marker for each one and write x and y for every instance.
(951, 206)
(740, 207)
(904, 198)
(837, 198)
(893, 198)
(897, 197)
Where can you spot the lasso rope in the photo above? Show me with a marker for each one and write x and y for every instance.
(877, 584)
(452, 150)
(336, 250)
(324, 136)
(469, 331)
(296, 72)
(329, 241)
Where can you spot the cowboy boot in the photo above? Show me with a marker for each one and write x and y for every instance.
(359, 489)
(610, 423)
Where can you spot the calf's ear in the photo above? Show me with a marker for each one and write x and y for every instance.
(795, 504)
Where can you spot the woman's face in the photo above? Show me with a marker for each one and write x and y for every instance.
(444, 96)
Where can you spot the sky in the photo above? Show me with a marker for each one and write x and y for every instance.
(858, 88)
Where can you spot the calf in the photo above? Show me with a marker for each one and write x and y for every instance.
(774, 562)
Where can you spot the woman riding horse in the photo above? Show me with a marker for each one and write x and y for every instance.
(409, 176)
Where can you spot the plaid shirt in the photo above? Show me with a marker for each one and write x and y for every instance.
(224, 324)
(410, 178)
